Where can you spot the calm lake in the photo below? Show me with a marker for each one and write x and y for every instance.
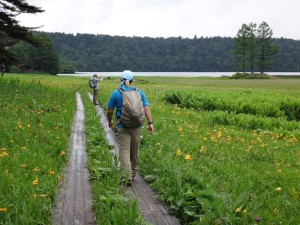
(172, 74)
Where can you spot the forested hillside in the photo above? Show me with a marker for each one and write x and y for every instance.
(114, 53)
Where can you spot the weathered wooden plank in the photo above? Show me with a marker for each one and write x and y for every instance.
(150, 218)
(160, 218)
(79, 199)
(147, 198)
(143, 207)
(172, 220)
(73, 204)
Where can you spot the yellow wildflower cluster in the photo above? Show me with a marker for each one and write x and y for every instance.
(187, 156)
(3, 152)
(35, 182)
(179, 152)
(3, 210)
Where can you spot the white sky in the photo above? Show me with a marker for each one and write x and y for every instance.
(165, 18)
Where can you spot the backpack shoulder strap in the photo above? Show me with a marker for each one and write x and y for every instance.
(120, 90)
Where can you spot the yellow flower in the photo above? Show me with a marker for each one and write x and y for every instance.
(180, 129)
(179, 152)
(218, 221)
(3, 154)
(239, 209)
(35, 182)
(202, 149)
(3, 210)
(51, 173)
(42, 196)
(188, 157)
(278, 189)
(62, 153)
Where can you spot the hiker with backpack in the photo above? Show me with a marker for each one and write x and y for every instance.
(94, 84)
(132, 107)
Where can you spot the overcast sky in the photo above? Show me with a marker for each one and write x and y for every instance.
(165, 18)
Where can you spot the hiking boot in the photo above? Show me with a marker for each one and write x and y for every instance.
(128, 182)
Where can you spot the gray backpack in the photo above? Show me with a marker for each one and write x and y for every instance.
(133, 113)
(92, 83)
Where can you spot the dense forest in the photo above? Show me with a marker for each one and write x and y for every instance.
(89, 52)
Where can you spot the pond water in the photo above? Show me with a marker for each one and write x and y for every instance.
(172, 74)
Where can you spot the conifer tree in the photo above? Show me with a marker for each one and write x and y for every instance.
(266, 47)
(11, 31)
(240, 49)
(253, 48)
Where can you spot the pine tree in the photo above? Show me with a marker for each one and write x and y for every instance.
(10, 30)
(253, 48)
(240, 49)
(266, 47)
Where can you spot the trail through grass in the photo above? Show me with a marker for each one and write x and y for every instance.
(208, 170)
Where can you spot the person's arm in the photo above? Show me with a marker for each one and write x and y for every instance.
(109, 114)
(149, 118)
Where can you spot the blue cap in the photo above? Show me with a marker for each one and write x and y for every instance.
(127, 75)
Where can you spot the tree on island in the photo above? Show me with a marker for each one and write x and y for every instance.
(253, 48)
(11, 32)
(266, 48)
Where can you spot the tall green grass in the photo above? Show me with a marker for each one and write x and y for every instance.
(36, 116)
(211, 172)
(35, 123)
(252, 102)
(208, 171)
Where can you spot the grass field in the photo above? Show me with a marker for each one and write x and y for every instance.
(209, 171)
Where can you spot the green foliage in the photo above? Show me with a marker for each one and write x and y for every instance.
(254, 48)
(34, 141)
(219, 167)
(66, 67)
(90, 52)
(208, 171)
(237, 102)
(114, 53)
(266, 48)
(42, 59)
(12, 31)
(249, 76)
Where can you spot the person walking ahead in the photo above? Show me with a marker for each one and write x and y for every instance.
(128, 138)
(96, 81)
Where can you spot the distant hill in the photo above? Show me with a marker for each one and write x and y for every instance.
(175, 54)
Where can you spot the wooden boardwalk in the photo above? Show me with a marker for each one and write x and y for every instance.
(73, 203)
(153, 210)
